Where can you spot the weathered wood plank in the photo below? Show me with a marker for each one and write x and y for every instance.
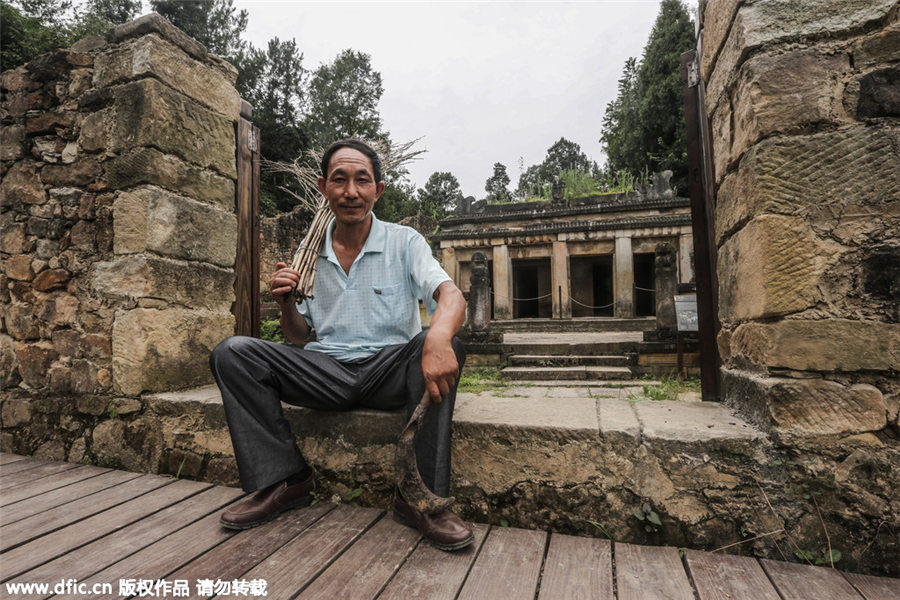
(25, 471)
(7, 458)
(433, 574)
(86, 560)
(297, 563)
(43, 502)
(46, 484)
(875, 588)
(728, 577)
(66, 514)
(364, 569)
(28, 556)
(577, 568)
(508, 565)
(243, 551)
(165, 556)
(804, 582)
(650, 572)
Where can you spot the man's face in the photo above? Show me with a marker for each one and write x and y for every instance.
(351, 189)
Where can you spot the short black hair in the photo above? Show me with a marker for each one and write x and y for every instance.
(356, 145)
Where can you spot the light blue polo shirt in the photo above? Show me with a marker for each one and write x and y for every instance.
(376, 305)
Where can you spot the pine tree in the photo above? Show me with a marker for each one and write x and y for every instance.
(497, 185)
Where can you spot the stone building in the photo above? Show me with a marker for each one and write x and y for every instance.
(584, 257)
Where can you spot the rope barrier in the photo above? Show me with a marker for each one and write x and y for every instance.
(644, 289)
(528, 299)
(589, 306)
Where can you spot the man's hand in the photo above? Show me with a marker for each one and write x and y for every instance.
(281, 283)
(439, 366)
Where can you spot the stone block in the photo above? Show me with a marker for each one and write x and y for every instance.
(150, 114)
(793, 409)
(34, 361)
(92, 405)
(781, 93)
(171, 225)
(12, 142)
(16, 412)
(137, 445)
(19, 267)
(21, 185)
(156, 24)
(78, 174)
(193, 285)
(150, 166)
(879, 94)
(767, 22)
(17, 80)
(48, 122)
(773, 266)
(824, 345)
(12, 236)
(51, 279)
(9, 366)
(882, 46)
(160, 350)
(95, 131)
(58, 309)
(852, 165)
(151, 56)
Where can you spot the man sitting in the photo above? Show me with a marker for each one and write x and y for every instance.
(371, 352)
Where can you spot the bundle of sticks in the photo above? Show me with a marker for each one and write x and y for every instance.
(307, 255)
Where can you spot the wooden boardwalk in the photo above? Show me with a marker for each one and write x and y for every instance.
(117, 534)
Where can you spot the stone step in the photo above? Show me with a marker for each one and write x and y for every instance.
(568, 373)
(551, 360)
(580, 324)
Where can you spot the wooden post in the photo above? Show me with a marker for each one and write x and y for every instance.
(701, 180)
(246, 262)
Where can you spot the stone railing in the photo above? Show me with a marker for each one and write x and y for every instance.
(802, 98)
(118, 234)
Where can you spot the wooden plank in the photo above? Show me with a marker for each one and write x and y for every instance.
(21, 469)
(508, 565)
(577, 568)
(726, 576)
(86, 560)
(43, 502)
(28, 556)
(650, 572)
(243, 551)
(805, 582)
(875, 588)
(66, 514)
(8, 458)
(297, 563)
(246, 264)
(364, 569)
(45, 484)
(432, 573)
(165, 556)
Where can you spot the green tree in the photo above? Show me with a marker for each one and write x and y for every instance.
(564, 155)
(643, 128)
(343, 99)
(398, 200)
(497, 185)
(214, 23)
(440, 195)
(115, 11)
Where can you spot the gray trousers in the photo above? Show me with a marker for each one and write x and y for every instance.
(255, 376)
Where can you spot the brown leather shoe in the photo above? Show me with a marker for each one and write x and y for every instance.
(443, 530)
(268, 503)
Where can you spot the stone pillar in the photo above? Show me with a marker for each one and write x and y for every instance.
(479, 305)
(685, 258)
(624, 268)
(666, 276)
(503, 288)
(560, 281)
(451, 265)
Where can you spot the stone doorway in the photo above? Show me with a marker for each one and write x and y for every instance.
(644, 285)
(592, 286)
(532, 289)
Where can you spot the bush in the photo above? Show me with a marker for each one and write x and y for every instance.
(271, 330)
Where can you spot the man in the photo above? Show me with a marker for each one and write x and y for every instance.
(370, 352)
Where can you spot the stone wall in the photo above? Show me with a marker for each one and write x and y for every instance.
(118, 236)
(805, 117)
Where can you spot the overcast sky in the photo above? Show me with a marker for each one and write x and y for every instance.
(479, 82)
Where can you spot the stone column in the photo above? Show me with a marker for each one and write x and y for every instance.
(451, 265)
(479, 305)
(624, 267)
(666, 275)
(686, 258)
(503, 288)
(559, 277)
